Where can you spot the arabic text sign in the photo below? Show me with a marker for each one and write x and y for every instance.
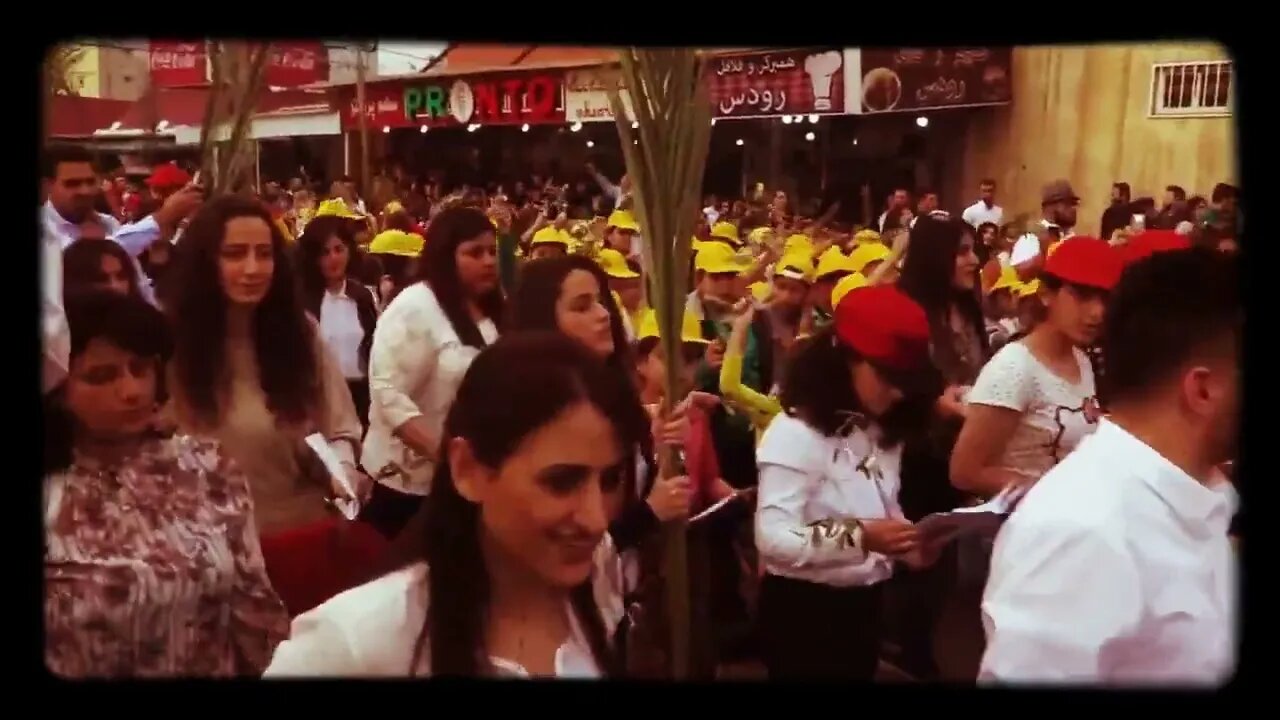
(921, 78)
(788, 82)
(586, 96)
(503, 99)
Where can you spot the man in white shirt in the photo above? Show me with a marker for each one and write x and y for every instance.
(1116, 568)
(901, 198)
(985, 210)
(71, 184)
(1058, 205)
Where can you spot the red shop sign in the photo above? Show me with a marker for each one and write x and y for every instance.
(787, 82)
(504, 99)
(297, 63)
(178, 64)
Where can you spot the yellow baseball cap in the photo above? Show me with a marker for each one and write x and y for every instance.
(1028, 289)
(1008, 280)
(396, 242)
(866, 235)
(798, 242)
(797, 265)
(690, 328)
(623, 220)
(846, 284)
(550, 234)
(833, 261)
(614, 265)
(761, 291)
(718, 259)
(867, 253)
(725, 231)
(336, 208)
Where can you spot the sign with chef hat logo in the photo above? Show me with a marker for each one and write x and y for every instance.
(807, 81)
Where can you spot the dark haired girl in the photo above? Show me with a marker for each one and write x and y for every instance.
(152, 564)
(249, 366)
(89, 264)
(941, 275)
(515, 574)
(828, 523)
(344, 308)
(423, 344)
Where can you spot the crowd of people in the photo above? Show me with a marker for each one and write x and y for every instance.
(300, 434)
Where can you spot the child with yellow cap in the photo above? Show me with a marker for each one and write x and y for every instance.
(1000, 310)
(550, 241)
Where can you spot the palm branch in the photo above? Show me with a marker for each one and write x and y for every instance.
(666, 155)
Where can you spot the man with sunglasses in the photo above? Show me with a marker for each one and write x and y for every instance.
(1058, 207)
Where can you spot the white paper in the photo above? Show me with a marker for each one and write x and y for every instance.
(736, 494)
(941, 528)
(347, 504)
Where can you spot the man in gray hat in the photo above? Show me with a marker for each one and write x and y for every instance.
(1058, 203)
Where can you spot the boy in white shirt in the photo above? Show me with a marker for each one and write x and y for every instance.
(1116, 568)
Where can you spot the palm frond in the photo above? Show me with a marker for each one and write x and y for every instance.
(666, 164)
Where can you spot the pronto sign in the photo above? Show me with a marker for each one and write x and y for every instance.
(500, 99)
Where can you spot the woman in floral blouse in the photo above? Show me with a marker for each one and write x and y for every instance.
(152, 563)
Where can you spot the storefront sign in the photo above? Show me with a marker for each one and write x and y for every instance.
(178, 64)
(297, 63)
(787, 82)
(587, 95)
(506, 99)
(910, 79)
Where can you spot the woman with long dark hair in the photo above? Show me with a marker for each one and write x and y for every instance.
(424, 342)
(828, 521)
(345, 309)
(570, 295)
(91, 263)
(152, 563)
(250, 367)
(513, 573)
(941, 275)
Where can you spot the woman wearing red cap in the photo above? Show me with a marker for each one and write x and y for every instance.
(1036, 399)
(828, 523)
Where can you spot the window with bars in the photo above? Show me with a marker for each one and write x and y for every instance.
(1192, 89)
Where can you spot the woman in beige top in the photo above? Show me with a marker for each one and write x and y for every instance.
(250, 368)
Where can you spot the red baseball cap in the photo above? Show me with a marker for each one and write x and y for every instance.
(885, 326)
(168, 175)
(1085, 261)
(1150, 242)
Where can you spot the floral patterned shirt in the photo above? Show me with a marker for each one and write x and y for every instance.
(152, 567)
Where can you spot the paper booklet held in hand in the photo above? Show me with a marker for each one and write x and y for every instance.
(984, 519)
(346, 501)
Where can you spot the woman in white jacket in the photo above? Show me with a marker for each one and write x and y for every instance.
(511, 572)
(422, 345)
(828, 522)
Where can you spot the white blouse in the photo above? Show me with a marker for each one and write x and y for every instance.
(340, 327)
(415, 367)
(1056, 414)
(809, 485)
(373, 630)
